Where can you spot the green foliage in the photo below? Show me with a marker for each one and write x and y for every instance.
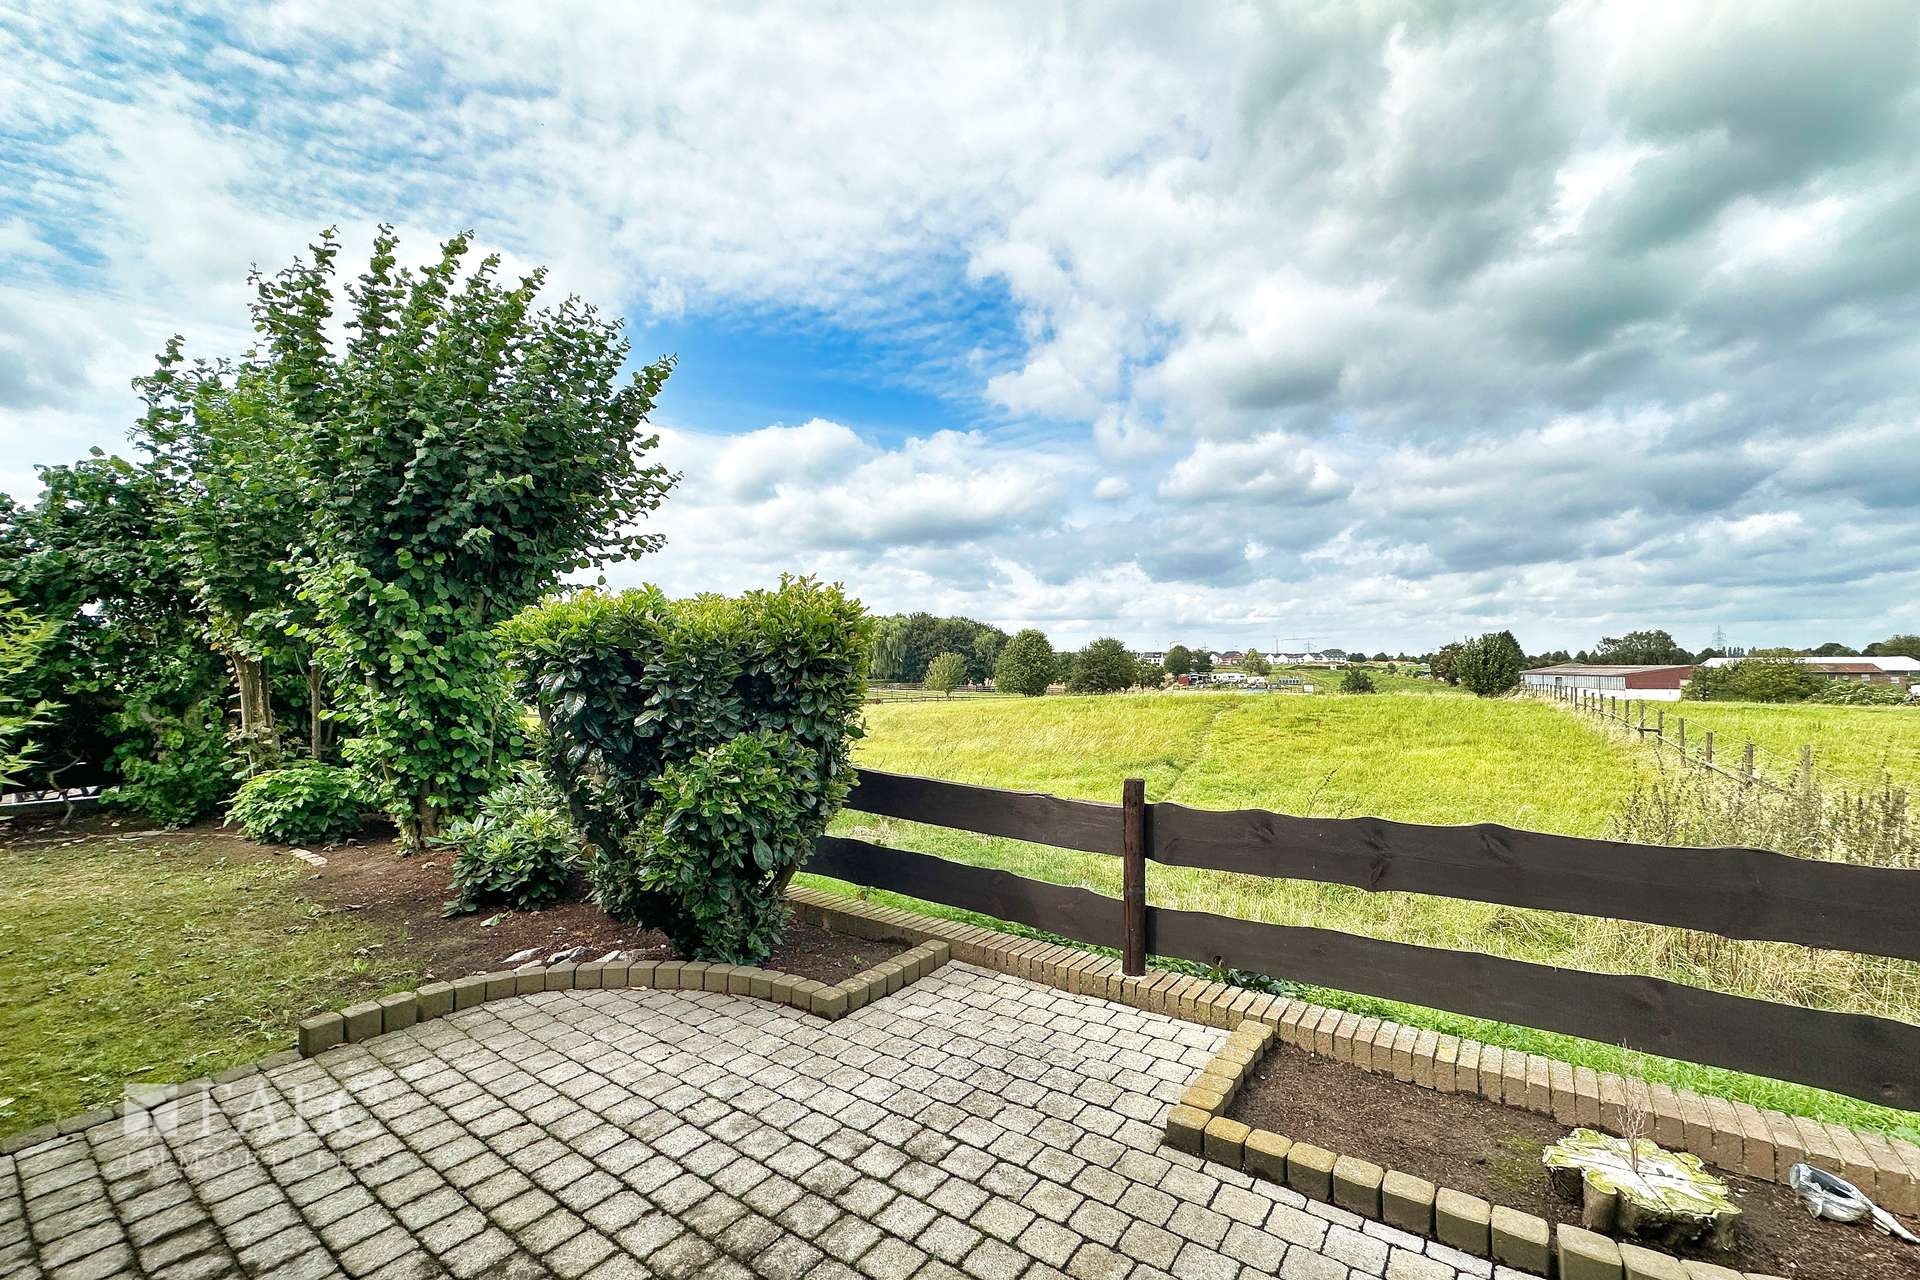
(726, 831)
(1149, 675)
(1490, 665)
(1900, 646)
(1356, 679)
(1641, 648)
(301, 802)
(1026, 665)
(22, 637)
(1202, 662)
(1179, 661)
(466, 452)
(907, 644)
(518, 850)
(1858, 693)
(643, 699)
(1254, 664)
(1104, 666)
(1756, 679)
(947, 672)
(1441, 663)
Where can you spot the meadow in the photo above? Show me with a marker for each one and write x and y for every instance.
(1417, 757)
(1856, 746)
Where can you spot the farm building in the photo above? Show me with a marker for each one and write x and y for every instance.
(1891, 670)
(1654, 684)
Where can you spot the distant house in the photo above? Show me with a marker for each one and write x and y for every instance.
(1316, 658)
(1649, 683)
(1158, 657)
(1894, 670)
(1231, 658)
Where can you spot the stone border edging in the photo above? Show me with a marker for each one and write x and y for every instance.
(396, 1012)
(1735, 1137)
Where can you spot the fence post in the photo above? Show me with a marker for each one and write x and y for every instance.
(1133, 877)
(1683, 739)
(1709, 756)
(1660, 723)
(1643, 715)
(1746, 767)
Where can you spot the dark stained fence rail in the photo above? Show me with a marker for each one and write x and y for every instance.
(1739, 893)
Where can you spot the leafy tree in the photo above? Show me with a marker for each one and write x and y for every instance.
(1202, 662)
(1443, 663)
(1356, 680)
(1833, 649)
(1900, 646)
(468, 450)
(1256, 665)
(1179, 661)
(1491, 664)
(1149, 675)
(139, 691)
(22, 636)
(987, 643)
(947, 672)
(1641, 648)
(237, 505)
(1026, 664)
(890, 652)
(1063, 666)
(1104, 666)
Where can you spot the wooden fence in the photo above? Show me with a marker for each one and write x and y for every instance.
(1651, 722)
(1736, 893)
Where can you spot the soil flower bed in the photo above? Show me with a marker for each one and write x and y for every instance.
(1493, 1151)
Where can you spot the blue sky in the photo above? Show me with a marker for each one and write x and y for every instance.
(1346, 323)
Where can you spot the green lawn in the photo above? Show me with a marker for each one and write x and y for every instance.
(1415, 757)
(126, 959)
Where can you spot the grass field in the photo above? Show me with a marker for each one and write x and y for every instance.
(1414, 757)
(126, 959)
(1852, 746)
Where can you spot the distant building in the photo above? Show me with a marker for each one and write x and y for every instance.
(1158, 657)
(1317, 658)
(1231, 658)
(1893, 670)
(1653, 684)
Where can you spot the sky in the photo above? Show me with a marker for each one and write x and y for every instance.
(1288, 325)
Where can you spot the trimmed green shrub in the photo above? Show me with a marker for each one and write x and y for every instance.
(301, 802)
(518, 850)
(646, 701)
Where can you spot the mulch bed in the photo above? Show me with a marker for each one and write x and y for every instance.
(1493, 1151)
(371, 879)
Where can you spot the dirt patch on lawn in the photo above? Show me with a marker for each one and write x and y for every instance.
(408, 894)
(1493, 1151)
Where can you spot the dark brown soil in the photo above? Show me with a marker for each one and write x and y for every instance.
(1493, 1151)
(407, 895)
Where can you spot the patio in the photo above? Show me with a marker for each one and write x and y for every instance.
(973, 1125)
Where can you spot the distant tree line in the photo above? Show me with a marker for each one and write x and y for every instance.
(907, 643)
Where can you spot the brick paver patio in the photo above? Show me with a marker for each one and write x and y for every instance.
(972, 1125)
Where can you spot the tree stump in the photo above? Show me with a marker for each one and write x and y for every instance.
(1663, 1198)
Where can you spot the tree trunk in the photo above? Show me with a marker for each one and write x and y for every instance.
(257, 734)
(319, 728)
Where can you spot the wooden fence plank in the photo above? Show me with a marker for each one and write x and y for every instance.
(1018, 815)
(1736, 893)
(1870, 1058)
(1072, 913)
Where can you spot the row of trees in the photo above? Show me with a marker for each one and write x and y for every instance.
(312, 545)
(906, 645)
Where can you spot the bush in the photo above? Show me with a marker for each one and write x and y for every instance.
(1490, 665)
(304, 802)
(1026, 665)
(1755, 680)
(174, 768)
(645, 702)
(1857, 693)
(1356, 680)
(518, 849)
(1105, 666)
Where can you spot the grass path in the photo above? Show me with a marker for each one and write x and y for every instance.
(125, 960)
